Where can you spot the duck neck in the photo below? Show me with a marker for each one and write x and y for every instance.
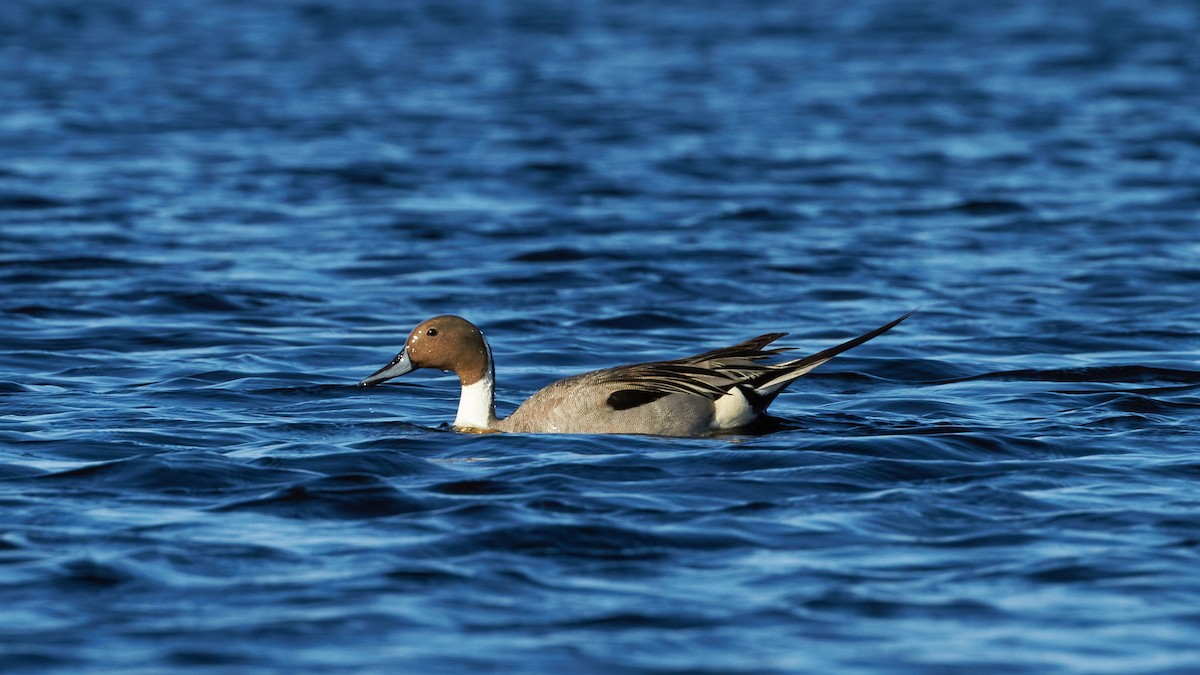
(477, 403)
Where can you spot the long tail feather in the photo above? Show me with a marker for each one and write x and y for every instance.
(793, 370)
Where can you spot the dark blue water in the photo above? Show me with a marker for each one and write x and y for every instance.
(217, 216)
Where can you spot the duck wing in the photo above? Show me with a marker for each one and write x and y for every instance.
(710, 374)
(714, 373)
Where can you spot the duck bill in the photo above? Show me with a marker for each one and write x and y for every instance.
(398, 366)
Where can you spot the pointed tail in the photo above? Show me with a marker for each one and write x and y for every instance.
(770, 388)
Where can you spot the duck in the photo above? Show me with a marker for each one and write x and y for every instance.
(719, 390)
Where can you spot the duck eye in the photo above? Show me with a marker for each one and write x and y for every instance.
(431, 332)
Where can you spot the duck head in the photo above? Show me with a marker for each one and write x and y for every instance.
(448, 343)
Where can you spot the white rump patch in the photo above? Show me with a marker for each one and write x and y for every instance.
(732, 411)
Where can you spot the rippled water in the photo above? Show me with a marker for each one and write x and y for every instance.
(215, 217)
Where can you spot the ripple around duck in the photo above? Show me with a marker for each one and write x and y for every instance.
(181, 473)
(387, 463)
(1114, 374)
(339, 497)
(594, 542)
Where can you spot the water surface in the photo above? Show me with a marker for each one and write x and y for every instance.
(216, 217)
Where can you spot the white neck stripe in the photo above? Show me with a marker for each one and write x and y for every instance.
(477, 402)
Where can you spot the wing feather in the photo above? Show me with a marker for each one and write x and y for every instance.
(713, 373)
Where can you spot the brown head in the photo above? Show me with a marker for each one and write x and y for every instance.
(444, 342)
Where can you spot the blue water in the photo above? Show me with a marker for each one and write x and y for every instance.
(217, 216)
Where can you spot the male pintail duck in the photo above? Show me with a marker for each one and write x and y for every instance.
(721, 389)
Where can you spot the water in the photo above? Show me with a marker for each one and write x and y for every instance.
(216, 217)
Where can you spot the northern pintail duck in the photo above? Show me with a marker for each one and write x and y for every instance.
(721, 389)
